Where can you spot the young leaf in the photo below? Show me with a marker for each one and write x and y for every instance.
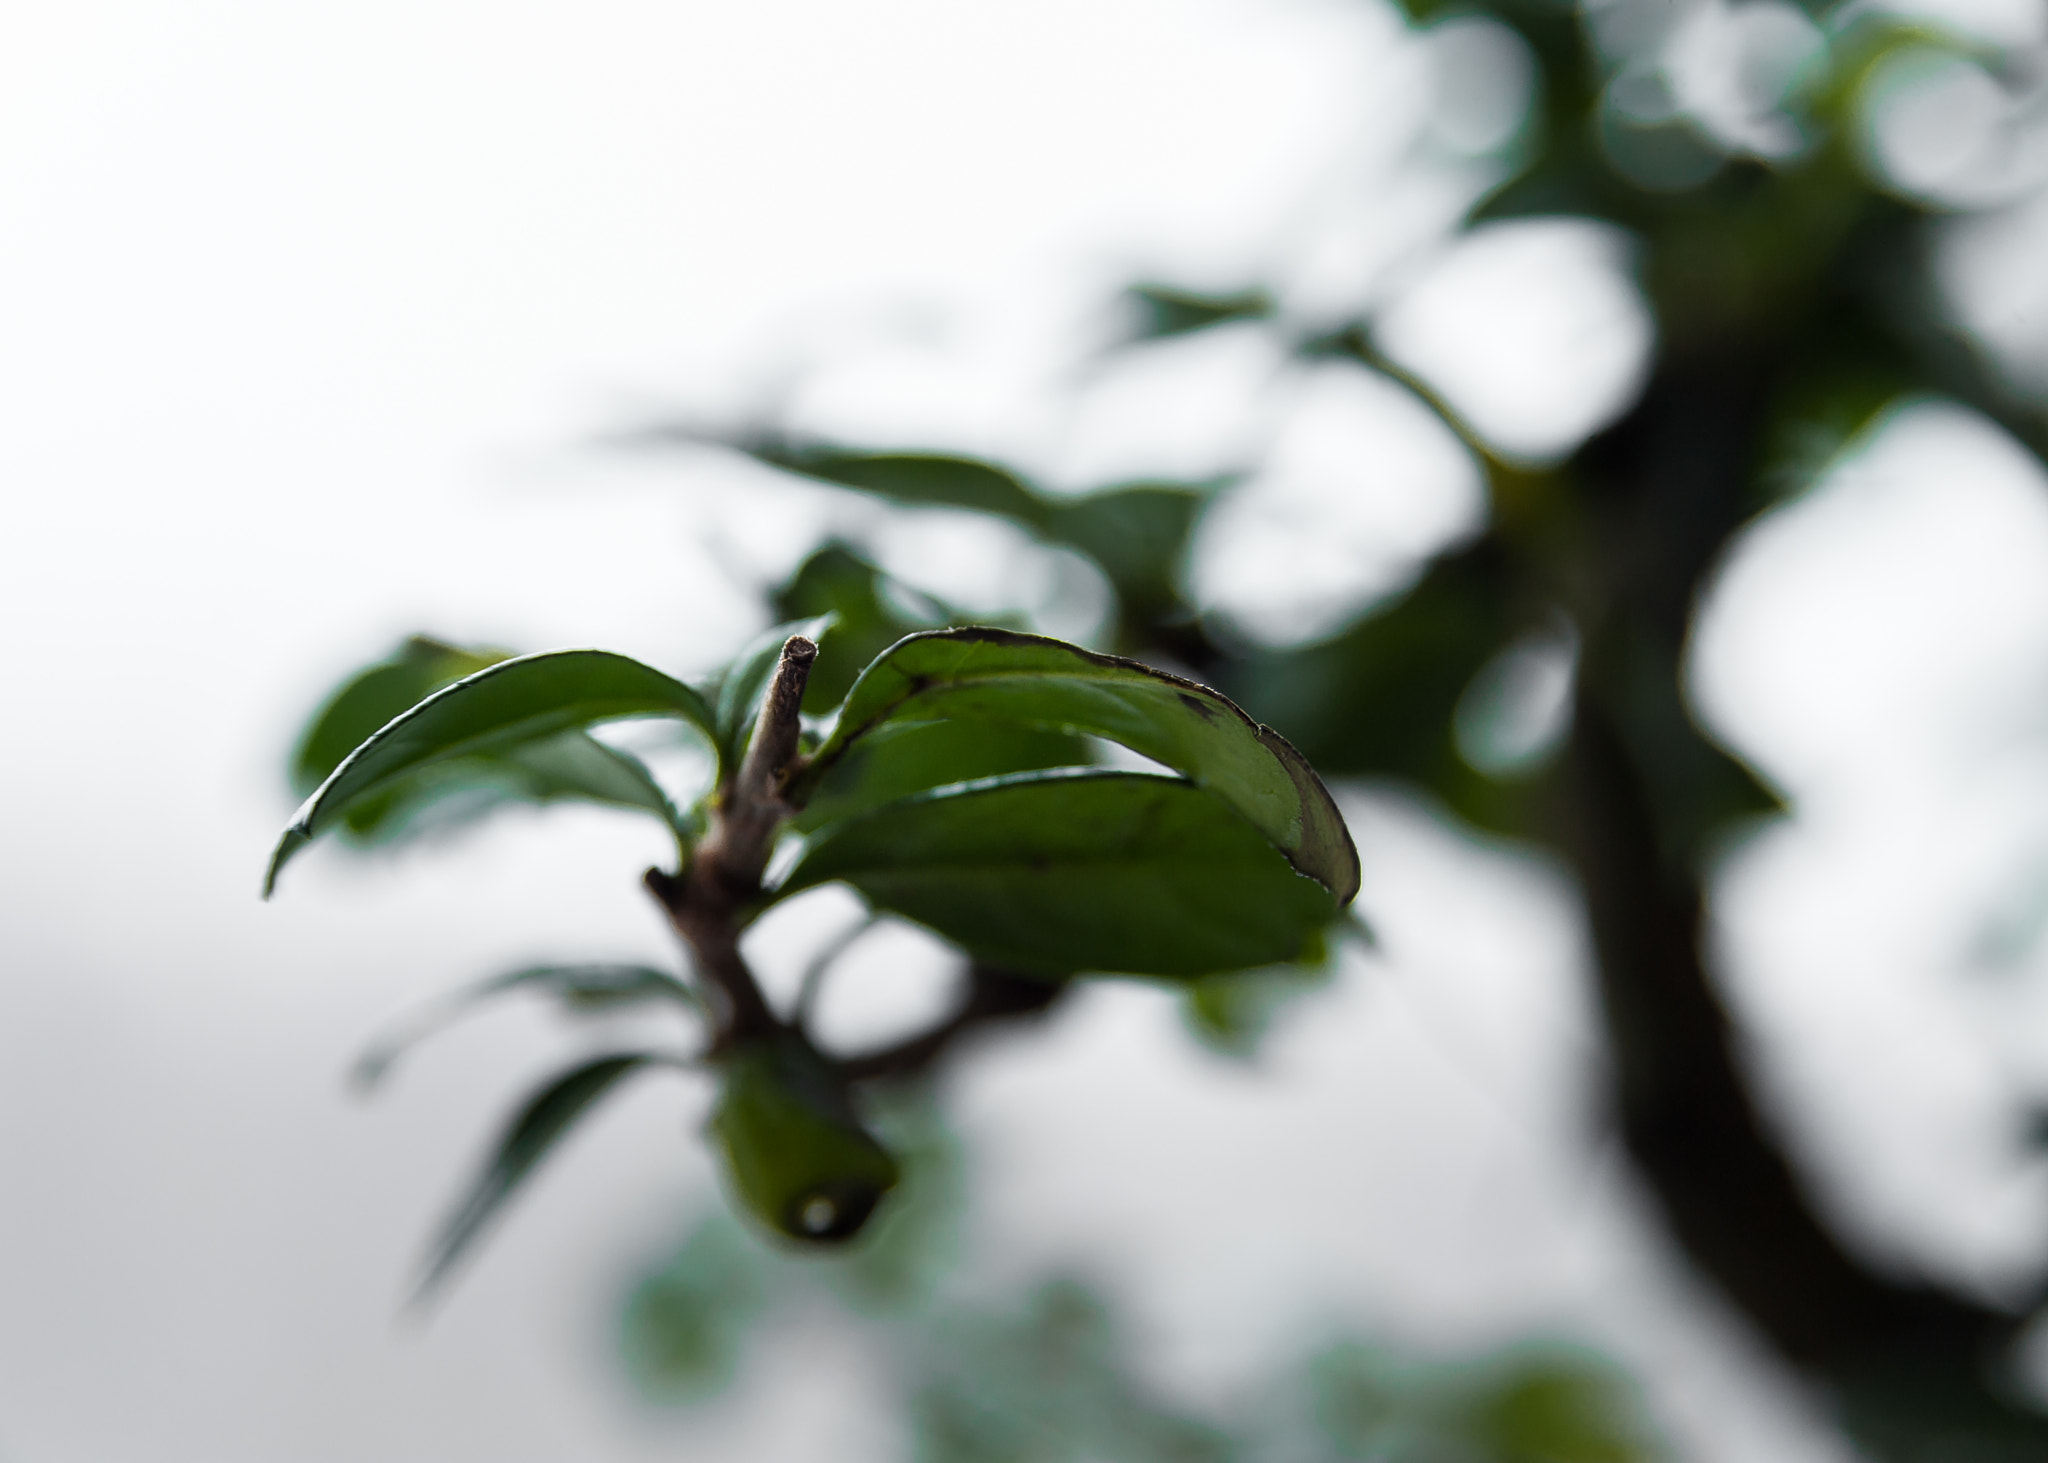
(1057, 872)
(582, 988)
(506, 706)
(547, 1115)
(796, 1156)
(982, 674)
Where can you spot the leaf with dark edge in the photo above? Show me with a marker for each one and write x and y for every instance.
(502, 707)
(544, 1118)
(593, 988)
(982, 674)
(1053, 872)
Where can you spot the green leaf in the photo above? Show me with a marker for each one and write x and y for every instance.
(582, 988)
(983, 674)
(796, 1156)
(1165, 311)
(1230, 1011)
(571, 765)
(1138, 536)
(1381, 698)
(419, 667)
(684, 1326)
(915, 479)
(504, 707)
(545, 1117)
(1058, 872)
(866, 618)
(913, 756)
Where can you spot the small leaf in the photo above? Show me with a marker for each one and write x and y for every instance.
(1230, 1012)
(1165, 311)
(983, 674)
(547, 1115)
(1058, 872)
(582, 988)
(796, 1156)
(916, 479)
(505, 706)
(684, 1325)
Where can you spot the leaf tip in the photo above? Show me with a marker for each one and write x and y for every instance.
(294, 838)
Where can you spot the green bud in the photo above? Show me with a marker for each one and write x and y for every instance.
(796, 1156)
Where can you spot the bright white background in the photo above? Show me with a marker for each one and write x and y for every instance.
(305, 316)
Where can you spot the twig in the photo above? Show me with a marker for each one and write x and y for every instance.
(993, 995)
(702, 903)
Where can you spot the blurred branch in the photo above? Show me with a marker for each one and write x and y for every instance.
(993, 996)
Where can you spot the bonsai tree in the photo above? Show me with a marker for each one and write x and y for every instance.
(948, 773)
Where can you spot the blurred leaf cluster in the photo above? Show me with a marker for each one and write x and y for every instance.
(1050, 1377)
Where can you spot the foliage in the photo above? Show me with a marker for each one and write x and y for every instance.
(949, 774)
(1048, 1376)
(1231, 857)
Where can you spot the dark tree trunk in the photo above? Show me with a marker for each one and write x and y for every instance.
(1913, 1371)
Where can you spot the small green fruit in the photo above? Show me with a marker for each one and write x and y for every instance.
(796, 1156)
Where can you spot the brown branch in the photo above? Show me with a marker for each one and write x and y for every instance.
(724, 872)
(993, 996)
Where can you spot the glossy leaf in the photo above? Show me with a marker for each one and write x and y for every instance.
(581, 988)
(504, 707)
(544, 1118)
(1058, 872)
(909, 757)
(983, 674)
(796, 1156)
(569, 766)
(373, 697)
